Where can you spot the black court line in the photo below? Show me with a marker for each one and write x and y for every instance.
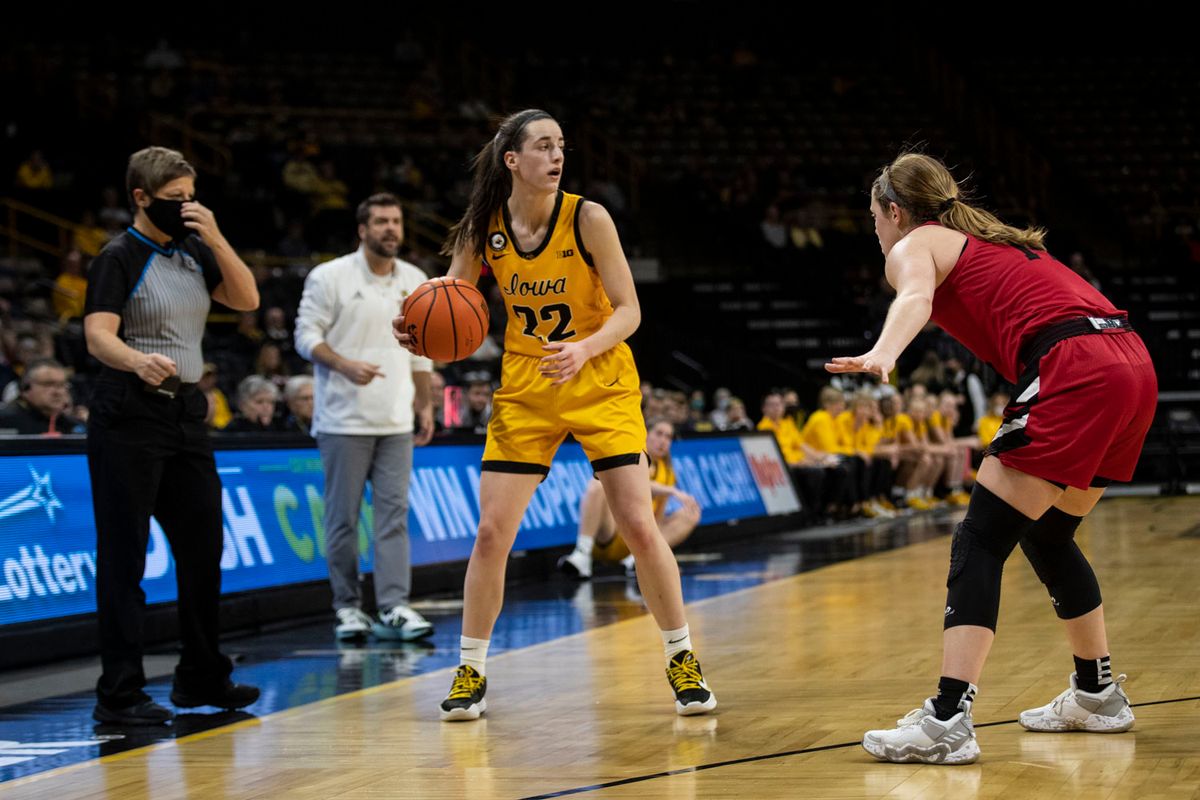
(750, 759)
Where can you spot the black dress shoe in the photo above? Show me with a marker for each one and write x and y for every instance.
(230, 696)
(146, 712)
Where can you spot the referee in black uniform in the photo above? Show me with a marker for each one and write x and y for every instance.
(148, 297)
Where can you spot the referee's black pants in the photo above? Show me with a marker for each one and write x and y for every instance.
(151, 455)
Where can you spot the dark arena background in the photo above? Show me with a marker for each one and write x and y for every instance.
(736, 162)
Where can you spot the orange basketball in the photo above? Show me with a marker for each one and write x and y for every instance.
(447, 318)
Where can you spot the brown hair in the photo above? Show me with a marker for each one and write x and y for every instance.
(831, 394)
(925, 189)
(492, 183)
(384, 199)
(152, 168)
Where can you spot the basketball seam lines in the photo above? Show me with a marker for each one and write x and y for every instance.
(479, 319)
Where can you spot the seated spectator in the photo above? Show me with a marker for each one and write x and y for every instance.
(271, 366)
(791, 406)
(720, 410)
(736, 418)
(989, 425)
(942, 423)
(478, 409)
(41, 408)
(256, 399)
(826, 443)
(810, 476)
(90, 238)
(929, 459)
(697, 420)
(598, 537)
(34, 173)
(219, 414)
(70, 287)
(298, 395)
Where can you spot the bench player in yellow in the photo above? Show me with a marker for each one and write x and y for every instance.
(599, 537)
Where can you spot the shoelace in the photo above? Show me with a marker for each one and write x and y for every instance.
(912, 718)
(685, 675)
(465, 685)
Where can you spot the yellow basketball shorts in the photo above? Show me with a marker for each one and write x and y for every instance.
(601, 407)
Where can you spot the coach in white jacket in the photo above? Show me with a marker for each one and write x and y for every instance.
(369, 393)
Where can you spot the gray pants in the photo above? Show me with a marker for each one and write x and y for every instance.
(349, 462)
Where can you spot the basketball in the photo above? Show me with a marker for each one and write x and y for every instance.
(447, 318)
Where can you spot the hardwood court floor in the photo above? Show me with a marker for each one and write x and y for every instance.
(801, 667)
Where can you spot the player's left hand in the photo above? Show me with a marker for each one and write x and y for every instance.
(875, 363)
(200, 219)
(564, 360)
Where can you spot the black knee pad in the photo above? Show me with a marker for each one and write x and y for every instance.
(1050, 547)
(982, 543)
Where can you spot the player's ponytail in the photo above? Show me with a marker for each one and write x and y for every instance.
(927, 192)
(492, 184)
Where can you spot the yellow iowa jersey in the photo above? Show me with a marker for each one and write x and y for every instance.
(662, 472)
(788, 437)
(552, 293)
(865, 437)
(988, 425)
(893, 426)
(938, 421)
(821, 432)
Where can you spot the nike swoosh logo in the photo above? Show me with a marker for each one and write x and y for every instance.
(676, 641)
(499, 256)
(614, 383)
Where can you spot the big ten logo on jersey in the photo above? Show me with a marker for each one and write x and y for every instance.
(565, 253)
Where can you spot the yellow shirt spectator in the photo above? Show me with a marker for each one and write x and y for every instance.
(896, 425)
(788, 437)
(822, 433)
(988, 425)
(864, 438)
(69, 294)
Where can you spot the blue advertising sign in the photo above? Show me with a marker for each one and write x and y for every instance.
(272, 506)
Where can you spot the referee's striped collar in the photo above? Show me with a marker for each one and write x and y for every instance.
(158, 248)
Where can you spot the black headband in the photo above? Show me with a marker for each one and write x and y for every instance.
(516, 134)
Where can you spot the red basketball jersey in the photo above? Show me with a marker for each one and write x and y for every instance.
(999, 295)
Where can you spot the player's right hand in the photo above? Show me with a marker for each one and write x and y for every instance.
(360, 372)
(401, 337)
(154, 368)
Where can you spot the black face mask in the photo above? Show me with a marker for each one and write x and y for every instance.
(166, 216)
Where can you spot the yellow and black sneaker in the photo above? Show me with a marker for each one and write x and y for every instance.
(692, 695)
(465, 700)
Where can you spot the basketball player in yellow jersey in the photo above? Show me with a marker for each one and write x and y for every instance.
(599, 537)
(571, 305)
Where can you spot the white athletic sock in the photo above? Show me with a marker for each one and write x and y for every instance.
(473, 652)
(676, 641)
(584, 544)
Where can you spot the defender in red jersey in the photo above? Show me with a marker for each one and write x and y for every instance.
(1084, 400)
